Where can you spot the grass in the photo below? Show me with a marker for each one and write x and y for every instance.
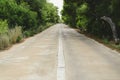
(4, 41)
(11, 37)
(105, 41)
(15, 34)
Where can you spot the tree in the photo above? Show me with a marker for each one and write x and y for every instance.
(50, 13)
(27, 13)
(87, 14)
(69, 12)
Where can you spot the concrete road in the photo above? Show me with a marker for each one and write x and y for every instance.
(59, 53)
(34, 59)
(86, 59)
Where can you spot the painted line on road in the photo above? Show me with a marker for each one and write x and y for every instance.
(61, 61)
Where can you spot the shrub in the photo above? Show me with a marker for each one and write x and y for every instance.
(19, 39)
(105, 41)
(4, 41)
(12, 36)
(82, 23)
(3, 26)
(15, 34)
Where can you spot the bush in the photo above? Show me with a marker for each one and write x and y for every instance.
(10, 37)
(27, 33)
(105, 41)
(4, 41)
(82, 23)
(15, 34)
(3, 26)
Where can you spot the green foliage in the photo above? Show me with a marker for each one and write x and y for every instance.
(82, 9)
(3, 26)
(116, 14)
(28, 13)
(50, 13)
(105, 41)
(82, 23)
(81, 19)
(86, 15)
(27, 33)
(32, 15)
(17, 14)
(69, 12)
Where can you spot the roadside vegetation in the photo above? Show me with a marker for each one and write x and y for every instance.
(23, 18)
(100, 19)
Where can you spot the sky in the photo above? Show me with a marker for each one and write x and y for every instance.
(58, 3)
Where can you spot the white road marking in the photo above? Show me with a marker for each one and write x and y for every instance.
(61, 62)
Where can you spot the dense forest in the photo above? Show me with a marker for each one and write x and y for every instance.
(100, 18)
(24, 18)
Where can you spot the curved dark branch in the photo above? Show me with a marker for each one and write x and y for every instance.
(113, 27)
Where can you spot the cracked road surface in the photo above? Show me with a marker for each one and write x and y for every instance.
(41, 58)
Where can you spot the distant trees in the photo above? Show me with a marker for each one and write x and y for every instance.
(86, 15)
(50, 13)
(69, 12)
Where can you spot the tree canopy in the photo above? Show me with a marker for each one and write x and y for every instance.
(28, 13)
(86, 15)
